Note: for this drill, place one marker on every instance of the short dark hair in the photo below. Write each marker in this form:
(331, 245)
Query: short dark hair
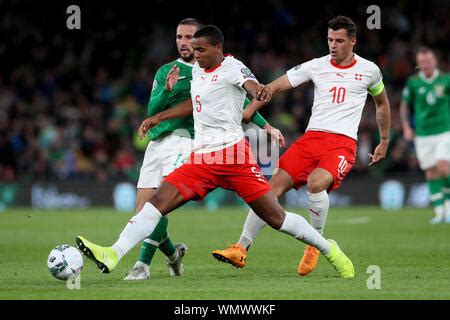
(342, 22)
(191, 22)
(211, 32)
(425, 49)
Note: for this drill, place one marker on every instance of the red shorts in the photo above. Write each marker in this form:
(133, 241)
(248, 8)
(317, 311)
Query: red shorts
(333, 152)
(233, 168)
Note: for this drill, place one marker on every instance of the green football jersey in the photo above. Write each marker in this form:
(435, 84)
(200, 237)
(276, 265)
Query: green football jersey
(430, 99)
(160, 99)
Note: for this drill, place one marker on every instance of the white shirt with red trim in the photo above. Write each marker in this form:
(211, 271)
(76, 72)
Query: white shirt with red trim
(340, 92)
(218, 99)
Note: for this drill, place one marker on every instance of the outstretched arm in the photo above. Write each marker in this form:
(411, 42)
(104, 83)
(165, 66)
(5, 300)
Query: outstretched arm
(280, 84)
(183, 109)
(383, 118)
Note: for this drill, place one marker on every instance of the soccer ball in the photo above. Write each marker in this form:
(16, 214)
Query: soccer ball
(64, 261)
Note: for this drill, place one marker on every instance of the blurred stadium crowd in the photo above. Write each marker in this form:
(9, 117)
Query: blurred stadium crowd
(71, 100)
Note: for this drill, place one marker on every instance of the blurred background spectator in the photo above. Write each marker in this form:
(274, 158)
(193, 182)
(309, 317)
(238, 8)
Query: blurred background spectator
(71, 100)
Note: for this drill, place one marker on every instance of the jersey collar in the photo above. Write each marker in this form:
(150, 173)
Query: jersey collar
(184, 62)
(431, 79)
(343, 67)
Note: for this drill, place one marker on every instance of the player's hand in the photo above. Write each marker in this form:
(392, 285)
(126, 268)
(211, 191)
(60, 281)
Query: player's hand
(408, 134)
(172, 77)
(263, 93)
(146, 125)
(275, 133)
(379, 153)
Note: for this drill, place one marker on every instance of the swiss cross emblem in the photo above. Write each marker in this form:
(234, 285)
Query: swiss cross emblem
(214, 78)
(358, 76)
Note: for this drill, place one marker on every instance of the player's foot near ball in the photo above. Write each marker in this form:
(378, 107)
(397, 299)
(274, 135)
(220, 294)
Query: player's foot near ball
(140, 271)
(340, 261)
(176, 268)
(235, 254)
(309, 260)
(437, 220)
(104, 257)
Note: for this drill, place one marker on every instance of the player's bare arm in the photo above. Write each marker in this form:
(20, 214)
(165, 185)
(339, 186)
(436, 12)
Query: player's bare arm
(183, 109)
(280, 84)
(276, 134)
(408, 132)
(383, 118)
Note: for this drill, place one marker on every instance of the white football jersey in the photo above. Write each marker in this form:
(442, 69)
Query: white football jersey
(218, 99)
(339, 92)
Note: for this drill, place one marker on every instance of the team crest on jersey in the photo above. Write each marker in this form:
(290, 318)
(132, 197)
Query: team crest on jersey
(439, 89)
(247, 73)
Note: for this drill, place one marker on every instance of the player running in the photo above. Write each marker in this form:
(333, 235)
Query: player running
(170, 145)
(221, 158)
(428, 92)
(323, 156)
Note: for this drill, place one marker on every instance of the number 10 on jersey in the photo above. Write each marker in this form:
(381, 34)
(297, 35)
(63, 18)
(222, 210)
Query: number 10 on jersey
(338, 94)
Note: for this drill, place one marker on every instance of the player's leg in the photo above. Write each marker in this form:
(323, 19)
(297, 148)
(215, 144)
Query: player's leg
(445, 172)
(280, 183)
(166, 199)
(236, 254)
(436, 185)
(443, 167)
(336, 160)
(268, 209)
(292, 170)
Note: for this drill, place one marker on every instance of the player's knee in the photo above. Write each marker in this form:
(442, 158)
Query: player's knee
(316, 186)
(443, 167)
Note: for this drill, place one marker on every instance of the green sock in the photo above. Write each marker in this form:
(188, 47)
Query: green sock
(167, 247)
(436, 196)
(150, 244)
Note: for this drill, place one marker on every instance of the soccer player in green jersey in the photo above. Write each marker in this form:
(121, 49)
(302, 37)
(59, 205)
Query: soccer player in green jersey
(170, 145)
(428, 93)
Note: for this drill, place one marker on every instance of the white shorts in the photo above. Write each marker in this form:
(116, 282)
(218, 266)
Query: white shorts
(161, 158)
(431, 149)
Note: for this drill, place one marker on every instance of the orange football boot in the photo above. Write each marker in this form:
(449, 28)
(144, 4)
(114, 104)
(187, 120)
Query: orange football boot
(235, 254)
(309, 260)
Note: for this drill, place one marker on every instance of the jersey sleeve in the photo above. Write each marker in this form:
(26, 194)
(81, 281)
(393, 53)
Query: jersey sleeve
(240, 74)
(159, 94)
(376, 85)
(301, 73)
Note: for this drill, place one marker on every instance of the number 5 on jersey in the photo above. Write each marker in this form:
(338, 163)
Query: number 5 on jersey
(198, 107)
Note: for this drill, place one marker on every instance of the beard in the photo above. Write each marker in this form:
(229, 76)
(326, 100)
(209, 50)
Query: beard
(187, 57)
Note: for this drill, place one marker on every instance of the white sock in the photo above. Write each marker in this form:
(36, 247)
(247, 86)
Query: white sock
(296, 226)
(252, 226)
(318, 209)
(439, 212)
(137, 229)
(447, 208)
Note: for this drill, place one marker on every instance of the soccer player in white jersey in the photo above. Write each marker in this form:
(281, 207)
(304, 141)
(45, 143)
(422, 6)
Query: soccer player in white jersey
(221, 158)
(323, 156)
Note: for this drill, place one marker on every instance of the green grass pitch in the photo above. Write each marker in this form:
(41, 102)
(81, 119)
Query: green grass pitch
(413, 256)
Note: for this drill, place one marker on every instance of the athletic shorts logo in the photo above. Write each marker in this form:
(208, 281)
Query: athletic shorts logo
(342, 166)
